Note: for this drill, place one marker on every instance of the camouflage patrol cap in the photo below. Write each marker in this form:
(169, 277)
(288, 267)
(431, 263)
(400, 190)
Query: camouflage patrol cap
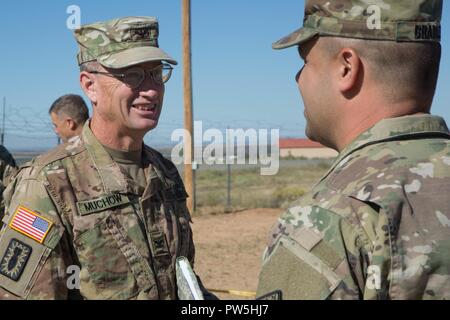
(395, 20)
(121, 43)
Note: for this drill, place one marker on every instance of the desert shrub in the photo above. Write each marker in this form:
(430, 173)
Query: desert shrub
(284, 196)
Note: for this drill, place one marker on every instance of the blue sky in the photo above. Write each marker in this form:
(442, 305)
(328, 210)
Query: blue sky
(239, 81)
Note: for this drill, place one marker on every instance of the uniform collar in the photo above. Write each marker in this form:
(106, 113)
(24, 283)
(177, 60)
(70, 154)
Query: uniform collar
(395, 129)
(112, 178)
(73, 139)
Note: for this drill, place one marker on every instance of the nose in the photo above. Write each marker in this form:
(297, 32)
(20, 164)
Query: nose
(149, 88)
(151, 93)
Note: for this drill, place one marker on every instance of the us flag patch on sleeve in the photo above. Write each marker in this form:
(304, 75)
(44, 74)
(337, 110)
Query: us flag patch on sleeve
(30, 224)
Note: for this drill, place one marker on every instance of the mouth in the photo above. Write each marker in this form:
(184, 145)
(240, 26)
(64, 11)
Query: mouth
(146, 107)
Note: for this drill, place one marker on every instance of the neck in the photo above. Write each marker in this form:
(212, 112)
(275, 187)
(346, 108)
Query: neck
(355, 126)
(109, 135)
(77, 132)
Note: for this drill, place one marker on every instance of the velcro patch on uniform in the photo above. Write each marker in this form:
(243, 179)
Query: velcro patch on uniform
(15, 259)
(159, 244)
(275, 295)
(307, 238)
(298, 273)
(30, 224)
(103, 203)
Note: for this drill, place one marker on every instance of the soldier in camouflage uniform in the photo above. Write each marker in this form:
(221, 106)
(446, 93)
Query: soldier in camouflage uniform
(103, 216)
(8, 168)
(377, 225)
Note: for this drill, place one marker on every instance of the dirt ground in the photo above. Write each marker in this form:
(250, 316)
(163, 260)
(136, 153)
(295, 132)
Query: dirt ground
(229, 248)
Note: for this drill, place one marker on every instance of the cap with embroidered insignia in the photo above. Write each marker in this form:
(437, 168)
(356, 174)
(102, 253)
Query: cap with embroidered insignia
(121, 43)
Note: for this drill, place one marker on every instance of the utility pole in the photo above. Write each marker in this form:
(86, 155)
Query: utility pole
(228, 207)
(188, 101)
(3, 122)
(229, 157)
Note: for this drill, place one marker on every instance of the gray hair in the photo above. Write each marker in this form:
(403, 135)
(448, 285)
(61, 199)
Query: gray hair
(73, 106)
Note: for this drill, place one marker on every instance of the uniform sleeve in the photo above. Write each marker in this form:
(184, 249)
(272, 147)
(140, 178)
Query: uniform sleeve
(7, 171)
(314, 254)
(8, 168)
(8, 174)
(34, 251)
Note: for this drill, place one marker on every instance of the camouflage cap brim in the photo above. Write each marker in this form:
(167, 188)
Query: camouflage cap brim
(298, 37)
(134, 56)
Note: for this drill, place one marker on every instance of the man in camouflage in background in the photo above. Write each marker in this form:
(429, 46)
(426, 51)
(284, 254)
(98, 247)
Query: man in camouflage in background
(68, 113)
(104, 204)
(377, 225)
(8, 168)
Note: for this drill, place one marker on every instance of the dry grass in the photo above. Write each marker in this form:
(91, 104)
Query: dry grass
(249, 189)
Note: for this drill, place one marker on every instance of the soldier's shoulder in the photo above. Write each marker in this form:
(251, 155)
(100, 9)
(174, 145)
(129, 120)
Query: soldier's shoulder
(54, 157)
(4, 152)
(369, 174)
(5, 156)
(60, 152)
(391, 167)
(373, 178)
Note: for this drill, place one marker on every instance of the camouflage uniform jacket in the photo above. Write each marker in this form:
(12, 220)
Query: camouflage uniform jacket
(377, 226)
(8, 168)
(91, 218)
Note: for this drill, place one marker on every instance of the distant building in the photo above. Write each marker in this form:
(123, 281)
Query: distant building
(305, 148)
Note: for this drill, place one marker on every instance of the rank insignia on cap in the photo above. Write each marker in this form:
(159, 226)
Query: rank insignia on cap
(15, 259)
(140, 34)
(30, 224)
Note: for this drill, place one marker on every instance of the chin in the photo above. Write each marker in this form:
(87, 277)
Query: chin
(310, 134)
(146, 126)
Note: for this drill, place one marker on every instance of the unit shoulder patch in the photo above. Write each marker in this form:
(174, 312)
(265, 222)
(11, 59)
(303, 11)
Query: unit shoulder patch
(15, 259)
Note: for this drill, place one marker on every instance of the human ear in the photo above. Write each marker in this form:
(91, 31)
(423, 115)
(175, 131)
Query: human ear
(349, 69)
(87, 82)
(72, 124)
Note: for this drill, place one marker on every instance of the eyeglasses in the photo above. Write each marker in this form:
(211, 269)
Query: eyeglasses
(135, 76)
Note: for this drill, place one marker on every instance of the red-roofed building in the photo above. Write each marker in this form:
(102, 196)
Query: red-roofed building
(305, 148)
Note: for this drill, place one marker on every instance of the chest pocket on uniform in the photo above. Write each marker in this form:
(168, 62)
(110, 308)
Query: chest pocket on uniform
(112, 266)
(177, 218)
(169, 230)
